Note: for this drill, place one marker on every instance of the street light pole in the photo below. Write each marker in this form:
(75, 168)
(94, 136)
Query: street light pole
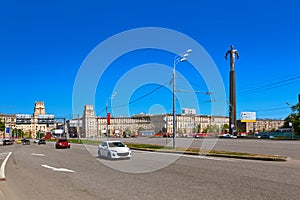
(292, 121)
(178, 58)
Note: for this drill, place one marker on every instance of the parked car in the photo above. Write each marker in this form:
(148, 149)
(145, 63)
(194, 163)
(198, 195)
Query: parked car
(19, 141)
(36, 141)
(42, 141)
(114, 150)
(227, 135)
(62, 143)
(7, 142)
(26, 142)
(264, 136)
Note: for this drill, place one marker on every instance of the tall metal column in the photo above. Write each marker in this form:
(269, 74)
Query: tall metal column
(232, 104)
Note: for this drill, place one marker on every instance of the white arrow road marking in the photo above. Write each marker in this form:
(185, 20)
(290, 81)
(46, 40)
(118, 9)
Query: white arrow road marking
(2, 169)
(58, 169)
(37, 154)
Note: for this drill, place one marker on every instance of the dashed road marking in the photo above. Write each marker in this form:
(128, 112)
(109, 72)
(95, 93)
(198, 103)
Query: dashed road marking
(37, 154)
(57, 169)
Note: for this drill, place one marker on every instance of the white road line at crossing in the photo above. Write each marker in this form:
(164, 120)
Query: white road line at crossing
(37, 154)
(58, 169)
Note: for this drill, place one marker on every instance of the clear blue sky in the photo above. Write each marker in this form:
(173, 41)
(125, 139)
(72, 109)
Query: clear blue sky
(44, 43)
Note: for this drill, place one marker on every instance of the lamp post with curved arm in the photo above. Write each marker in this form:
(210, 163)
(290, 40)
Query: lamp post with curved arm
(177, 59)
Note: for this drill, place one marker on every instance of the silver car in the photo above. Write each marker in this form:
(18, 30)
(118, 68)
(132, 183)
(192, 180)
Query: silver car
(114, 150)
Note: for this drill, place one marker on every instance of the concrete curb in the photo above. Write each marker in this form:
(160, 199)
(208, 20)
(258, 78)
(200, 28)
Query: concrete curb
(248, 157)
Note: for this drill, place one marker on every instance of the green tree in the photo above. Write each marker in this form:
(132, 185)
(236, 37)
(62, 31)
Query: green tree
(2, 125)
(198, 128)
(294, 117)
(19, 133)
(225, 128)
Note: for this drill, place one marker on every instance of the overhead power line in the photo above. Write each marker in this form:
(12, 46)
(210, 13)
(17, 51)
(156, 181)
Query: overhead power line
(269, 86)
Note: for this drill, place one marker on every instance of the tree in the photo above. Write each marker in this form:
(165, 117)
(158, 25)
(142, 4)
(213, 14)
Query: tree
(18, 132)
(2, 125)
(225, 128)
(294, 118)
(198, 128)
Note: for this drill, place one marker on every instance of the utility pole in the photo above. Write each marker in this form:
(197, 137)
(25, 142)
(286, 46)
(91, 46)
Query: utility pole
(233, 53)
(78, 128)
(107, 121)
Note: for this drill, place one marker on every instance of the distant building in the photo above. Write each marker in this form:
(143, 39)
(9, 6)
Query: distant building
(260, 125)
(39, 109)
(188, 111)
(89, 122)
(187, 124)
(74, 127)
(38, 122)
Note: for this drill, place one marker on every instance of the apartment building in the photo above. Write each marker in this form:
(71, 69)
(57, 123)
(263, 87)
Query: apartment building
(39, 121)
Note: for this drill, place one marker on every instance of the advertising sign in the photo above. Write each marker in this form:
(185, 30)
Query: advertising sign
(23, 116)
(46, 119)
(23, 119)
(248, 116)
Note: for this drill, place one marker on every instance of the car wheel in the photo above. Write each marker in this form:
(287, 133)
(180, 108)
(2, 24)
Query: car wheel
(109, 156)
(99, 154)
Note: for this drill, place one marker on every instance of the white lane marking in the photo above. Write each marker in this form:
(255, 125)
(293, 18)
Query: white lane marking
(188, 156)
(58, 169)
(2, 169)
(37, 154)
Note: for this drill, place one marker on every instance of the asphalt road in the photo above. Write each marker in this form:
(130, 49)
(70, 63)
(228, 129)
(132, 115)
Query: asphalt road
(43, 172)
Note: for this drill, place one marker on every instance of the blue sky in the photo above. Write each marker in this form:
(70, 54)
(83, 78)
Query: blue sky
(44, 43)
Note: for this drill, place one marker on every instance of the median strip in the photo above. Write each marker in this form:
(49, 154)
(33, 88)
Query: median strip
(215, 153)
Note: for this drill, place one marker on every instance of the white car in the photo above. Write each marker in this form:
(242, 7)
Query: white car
(227, 135)
(114, 150)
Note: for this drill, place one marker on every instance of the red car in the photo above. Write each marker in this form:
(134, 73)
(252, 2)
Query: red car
(62, 143)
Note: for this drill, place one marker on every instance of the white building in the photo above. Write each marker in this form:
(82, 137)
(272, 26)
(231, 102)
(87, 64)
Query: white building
(188, 111)
(89, 122)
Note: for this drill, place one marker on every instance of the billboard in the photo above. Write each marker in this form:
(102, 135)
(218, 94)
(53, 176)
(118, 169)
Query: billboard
(45, 119)
(248, 116)
(23, 119)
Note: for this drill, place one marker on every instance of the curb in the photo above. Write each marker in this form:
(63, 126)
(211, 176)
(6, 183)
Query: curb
(254, 157)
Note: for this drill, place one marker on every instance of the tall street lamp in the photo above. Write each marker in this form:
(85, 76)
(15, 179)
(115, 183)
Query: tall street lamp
(291, 123)
(177, 59)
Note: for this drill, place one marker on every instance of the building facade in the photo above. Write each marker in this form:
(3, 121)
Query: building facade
(31, 125)
(89, 122)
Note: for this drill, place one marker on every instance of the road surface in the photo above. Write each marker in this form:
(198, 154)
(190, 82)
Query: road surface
(43, 172)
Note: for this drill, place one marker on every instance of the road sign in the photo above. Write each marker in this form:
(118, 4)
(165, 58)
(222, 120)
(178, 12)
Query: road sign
(7, 130)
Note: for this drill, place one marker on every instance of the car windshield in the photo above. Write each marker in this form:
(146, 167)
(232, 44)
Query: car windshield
(116, 144)
(63, 140)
